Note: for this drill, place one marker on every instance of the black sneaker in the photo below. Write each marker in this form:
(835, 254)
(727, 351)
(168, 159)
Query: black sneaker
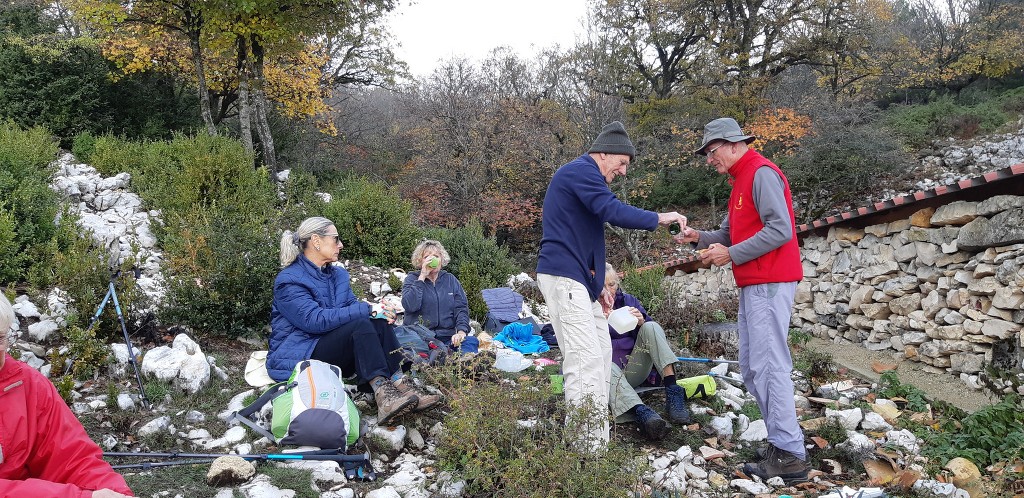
(779, 463)
(651, 424)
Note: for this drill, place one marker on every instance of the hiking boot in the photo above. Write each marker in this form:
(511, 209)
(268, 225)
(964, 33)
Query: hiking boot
(391, 403)
(779, 463)
(764, 451)
(651, 424)
(675, 404)
(426, 400)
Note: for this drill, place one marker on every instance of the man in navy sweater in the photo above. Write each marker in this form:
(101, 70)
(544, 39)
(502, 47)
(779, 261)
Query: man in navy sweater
(570, 269)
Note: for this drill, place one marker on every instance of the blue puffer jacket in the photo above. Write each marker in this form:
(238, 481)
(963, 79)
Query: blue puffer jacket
(308, 303)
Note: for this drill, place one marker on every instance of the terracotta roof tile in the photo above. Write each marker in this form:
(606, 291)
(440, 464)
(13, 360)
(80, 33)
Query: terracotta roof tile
(962, 188)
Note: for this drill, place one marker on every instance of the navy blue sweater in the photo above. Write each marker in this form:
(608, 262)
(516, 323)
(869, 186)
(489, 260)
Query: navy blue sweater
(441, 306)
(577, 205)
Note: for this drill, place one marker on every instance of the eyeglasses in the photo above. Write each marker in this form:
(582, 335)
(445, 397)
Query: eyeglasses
(335, 236)
(712, 151)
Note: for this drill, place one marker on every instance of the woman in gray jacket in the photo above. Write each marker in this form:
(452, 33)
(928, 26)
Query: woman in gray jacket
(434, 298)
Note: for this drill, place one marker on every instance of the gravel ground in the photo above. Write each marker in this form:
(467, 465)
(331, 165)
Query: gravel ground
(945, 387)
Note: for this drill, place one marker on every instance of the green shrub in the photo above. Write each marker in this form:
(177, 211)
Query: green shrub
(27, 205)
(921, 124)
(83, 146)
(647, 286)
(225, 262)
(993, 434)
(471, 282)
(84, 354)
(889, 386)
(816, 365)
(395, 283)
(220, 226)
(374, 222)
(64, 83)
(832, 430)
(483, 444)
(300, 200)
(469, 244)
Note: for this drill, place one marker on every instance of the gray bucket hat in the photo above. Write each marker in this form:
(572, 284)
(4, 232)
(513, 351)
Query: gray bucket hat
(723, 129)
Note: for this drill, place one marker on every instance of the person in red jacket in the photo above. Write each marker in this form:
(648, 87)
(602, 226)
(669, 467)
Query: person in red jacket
(44, 450)
(758, 237)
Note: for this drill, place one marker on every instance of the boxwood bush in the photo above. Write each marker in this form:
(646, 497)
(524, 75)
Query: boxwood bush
(220, 226)
(27, 205)
(374, 223)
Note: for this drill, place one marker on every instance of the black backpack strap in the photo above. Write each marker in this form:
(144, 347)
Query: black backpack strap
(245, 414)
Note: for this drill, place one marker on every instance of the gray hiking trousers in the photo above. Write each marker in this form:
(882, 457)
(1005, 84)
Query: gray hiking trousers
(765, 362)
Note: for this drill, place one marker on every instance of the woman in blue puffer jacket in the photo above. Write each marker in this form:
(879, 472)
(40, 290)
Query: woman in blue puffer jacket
(316, 315)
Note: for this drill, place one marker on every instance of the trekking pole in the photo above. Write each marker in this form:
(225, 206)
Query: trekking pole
(112, 293)
(706, 360)
(726, 378)
(150, 465)
(322, 455)
(357, 467)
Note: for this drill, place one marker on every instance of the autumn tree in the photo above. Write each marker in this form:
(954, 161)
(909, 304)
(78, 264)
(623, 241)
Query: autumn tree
(954, 44)
(662, 43)
(485, 146)
(286, 52)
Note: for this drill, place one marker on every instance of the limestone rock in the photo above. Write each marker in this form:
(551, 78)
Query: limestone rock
(922, 218)
(999, 203)
(229, 471)
(1003, 229)
(955, 213)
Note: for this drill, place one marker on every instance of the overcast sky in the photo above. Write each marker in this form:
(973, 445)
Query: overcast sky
(433, 30)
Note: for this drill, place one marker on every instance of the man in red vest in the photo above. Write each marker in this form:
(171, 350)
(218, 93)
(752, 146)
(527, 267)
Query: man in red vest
(759, 238)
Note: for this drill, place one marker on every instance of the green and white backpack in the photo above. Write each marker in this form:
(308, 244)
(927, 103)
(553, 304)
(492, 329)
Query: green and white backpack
(311, 408)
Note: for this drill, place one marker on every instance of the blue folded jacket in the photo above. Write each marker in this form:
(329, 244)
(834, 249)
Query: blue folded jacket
(519, 336)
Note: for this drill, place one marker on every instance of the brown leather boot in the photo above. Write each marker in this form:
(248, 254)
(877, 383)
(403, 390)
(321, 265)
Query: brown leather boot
(426, 400)
(390, 402)
(779, 463)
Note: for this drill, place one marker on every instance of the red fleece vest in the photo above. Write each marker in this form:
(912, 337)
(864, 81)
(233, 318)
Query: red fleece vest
(778, 265)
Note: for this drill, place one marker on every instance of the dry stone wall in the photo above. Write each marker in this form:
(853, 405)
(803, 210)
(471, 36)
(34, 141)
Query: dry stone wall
(944, 287)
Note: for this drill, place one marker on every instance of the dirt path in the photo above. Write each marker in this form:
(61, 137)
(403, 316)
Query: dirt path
(943, 387)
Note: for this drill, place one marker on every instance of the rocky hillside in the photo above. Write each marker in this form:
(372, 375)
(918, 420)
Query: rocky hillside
(857, 432)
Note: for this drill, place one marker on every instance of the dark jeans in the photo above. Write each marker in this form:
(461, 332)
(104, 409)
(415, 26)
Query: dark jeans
(365, 348)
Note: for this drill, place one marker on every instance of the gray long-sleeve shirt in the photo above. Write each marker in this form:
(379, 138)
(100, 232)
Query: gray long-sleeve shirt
(770, 202)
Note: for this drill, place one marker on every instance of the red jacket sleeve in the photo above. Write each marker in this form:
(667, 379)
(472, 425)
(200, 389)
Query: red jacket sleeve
(39, 487)
(63, 452)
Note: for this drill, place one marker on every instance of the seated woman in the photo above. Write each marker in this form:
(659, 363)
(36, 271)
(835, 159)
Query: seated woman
(634, 353)
(435, 299)
(45, 450)
(316, 315)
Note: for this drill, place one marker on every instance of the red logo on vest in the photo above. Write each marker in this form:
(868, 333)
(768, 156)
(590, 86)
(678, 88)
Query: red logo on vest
(739, 202)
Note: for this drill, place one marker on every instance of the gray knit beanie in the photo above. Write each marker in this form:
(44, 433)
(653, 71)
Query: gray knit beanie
(613, 140)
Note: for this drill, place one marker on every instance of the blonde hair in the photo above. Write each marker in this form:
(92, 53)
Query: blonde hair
(293, 243)
(417, 254)
(610, 276)
(6, 316)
